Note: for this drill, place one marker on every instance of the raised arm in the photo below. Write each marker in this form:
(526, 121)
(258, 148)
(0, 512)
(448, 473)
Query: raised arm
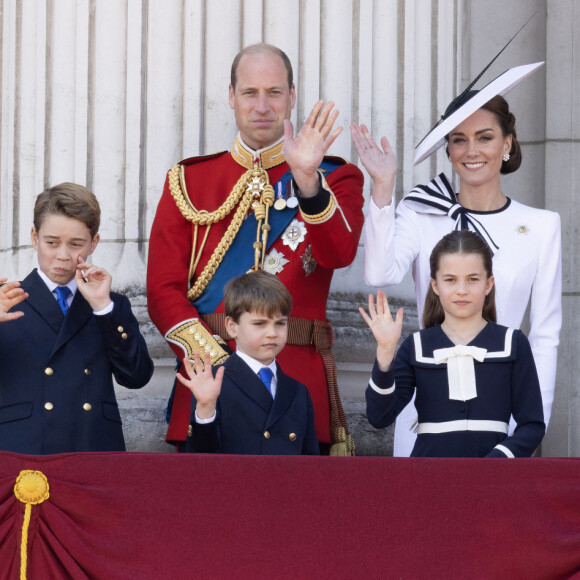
(10, 296)
(380, 163)
(386, 331)
(202, 384)
(305, 151)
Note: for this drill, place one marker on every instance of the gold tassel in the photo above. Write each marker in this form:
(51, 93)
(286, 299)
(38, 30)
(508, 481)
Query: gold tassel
(31, 488)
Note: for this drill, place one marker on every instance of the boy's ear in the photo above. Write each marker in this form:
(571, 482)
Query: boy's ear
(34, 238)
(434, 286)
(231, 326)
(94, 243)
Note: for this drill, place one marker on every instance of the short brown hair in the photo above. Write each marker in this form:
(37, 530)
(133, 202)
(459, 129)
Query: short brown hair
(458, 242)
(256, 292)
(259, 48)
(70, 200)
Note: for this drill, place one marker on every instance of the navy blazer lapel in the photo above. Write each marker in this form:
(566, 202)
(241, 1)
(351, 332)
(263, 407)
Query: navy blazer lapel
(285, 393)
(77, 316)
(248, 382)
(42, 300)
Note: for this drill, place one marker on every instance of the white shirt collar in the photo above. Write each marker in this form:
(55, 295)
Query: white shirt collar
(254, 364)
(72, 285)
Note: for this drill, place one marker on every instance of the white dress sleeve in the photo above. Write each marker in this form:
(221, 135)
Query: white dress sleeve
(546, 310)
(391, 245)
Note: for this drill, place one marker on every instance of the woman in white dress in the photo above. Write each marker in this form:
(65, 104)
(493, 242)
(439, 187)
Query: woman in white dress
(479, 131)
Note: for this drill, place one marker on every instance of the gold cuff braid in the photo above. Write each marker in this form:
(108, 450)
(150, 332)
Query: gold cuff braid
(327, 213)
(192, 336)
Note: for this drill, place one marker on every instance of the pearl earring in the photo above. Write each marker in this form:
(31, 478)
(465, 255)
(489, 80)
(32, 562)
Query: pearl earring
(506, 157)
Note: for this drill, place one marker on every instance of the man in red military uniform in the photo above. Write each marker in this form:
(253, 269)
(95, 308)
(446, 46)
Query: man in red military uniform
(273, 202)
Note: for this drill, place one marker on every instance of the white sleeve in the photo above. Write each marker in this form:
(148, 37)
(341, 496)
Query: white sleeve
(546, 311)
(391, 245)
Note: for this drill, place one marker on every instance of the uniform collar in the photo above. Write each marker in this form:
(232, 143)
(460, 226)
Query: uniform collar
(267, 157)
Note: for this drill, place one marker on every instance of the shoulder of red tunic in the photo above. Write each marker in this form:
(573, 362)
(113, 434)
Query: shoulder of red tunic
(201, 158)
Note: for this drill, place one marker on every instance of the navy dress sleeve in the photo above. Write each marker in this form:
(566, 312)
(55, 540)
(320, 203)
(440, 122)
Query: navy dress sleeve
(385, 399)
(526, 404)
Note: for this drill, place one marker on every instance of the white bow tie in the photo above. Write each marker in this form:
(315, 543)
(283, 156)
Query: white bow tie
(460, 370)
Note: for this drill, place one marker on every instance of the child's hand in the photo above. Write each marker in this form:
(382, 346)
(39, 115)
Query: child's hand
(10, 295)
(386, 331)
(202, 384)
(94, 284)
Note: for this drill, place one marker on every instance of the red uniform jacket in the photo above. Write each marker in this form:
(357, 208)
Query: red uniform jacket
(333, 244)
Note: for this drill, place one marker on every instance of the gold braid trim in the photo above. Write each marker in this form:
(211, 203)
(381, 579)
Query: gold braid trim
(201, 217)
(254, 183)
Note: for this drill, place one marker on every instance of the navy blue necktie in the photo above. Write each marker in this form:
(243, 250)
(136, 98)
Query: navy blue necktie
(62, 293)
(266, 375)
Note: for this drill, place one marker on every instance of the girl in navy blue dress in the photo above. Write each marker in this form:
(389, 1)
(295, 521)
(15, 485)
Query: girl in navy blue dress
(470, 373)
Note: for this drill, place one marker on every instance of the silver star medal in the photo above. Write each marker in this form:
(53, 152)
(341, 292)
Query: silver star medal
(294, 234)
(274, 262)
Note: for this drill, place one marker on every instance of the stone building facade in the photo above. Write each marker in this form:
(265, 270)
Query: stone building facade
(112, 94)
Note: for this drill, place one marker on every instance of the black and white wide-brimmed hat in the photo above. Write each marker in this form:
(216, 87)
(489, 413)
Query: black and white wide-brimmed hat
(467, 103)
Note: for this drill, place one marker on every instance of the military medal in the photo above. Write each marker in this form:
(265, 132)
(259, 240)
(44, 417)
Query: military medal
(292, 200)
(280, 202)
(294, 234)
(275, 262)
(308, 262)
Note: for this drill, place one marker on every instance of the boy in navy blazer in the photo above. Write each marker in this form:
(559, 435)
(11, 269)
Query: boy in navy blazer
(67, 338)
(251, 406)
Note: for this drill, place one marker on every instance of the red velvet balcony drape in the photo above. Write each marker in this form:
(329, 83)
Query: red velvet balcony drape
(141, 516)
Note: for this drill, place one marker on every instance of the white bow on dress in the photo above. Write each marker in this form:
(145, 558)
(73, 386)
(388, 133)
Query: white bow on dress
(460, 369)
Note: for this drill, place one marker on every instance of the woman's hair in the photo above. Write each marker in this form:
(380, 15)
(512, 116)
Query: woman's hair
(507, 121)
(458, 242)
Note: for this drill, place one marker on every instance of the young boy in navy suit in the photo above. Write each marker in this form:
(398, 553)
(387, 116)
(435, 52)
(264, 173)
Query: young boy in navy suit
(251, 406)
(67, 338)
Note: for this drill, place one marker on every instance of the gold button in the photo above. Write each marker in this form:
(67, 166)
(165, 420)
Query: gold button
(292, 436)
(267, 434)
(120, 328)
(87, 372)
(189, 431)
(48, 371)
(124, 336)
(87, 406)
(202, 341)
(48, 406)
